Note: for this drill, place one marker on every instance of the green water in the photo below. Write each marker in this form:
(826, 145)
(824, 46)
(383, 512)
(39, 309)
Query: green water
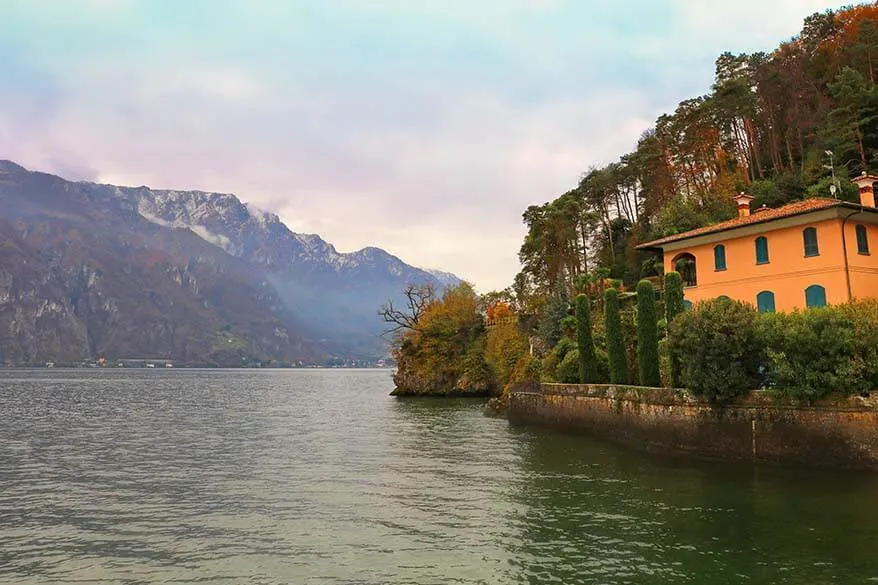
(319, 477)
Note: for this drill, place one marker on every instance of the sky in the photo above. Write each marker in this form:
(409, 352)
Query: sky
(424, 127)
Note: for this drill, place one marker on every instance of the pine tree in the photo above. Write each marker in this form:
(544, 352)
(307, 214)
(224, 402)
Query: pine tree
(647, 336)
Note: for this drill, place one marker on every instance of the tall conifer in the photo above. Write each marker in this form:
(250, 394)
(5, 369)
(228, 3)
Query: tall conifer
(647, 336)
(587, 362)
(673, 307)
(615, 341)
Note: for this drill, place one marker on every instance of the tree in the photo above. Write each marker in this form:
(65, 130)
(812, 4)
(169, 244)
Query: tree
(506, 344)
(588, 373)
(647, 336)
(615, 340)
(444, 352)
(673, 307)
(417, 298)
(854, 113)
(549, 326)
(764, 127)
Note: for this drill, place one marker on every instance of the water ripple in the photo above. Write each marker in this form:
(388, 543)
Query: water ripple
(319, 477)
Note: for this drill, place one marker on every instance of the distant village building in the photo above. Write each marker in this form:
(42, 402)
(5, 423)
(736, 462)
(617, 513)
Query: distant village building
(805, 254)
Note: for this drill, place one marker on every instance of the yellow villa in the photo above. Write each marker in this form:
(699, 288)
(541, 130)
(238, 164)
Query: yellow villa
(805, 254)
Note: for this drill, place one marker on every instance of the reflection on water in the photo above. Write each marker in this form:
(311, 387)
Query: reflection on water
(599, 514)
(320, 477)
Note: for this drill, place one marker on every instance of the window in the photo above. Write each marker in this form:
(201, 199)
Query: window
(810, 237)
(685, 264)
(724, 298)
(719, 257)
(815, 296)
(761, 250)
(765, 301)
(862, 240)
(687, 304)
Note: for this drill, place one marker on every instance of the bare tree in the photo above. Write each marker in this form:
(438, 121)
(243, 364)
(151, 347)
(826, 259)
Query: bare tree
(417, 298)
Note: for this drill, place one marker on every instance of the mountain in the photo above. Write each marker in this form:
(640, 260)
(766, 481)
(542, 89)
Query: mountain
(91, 270)
(444, 278)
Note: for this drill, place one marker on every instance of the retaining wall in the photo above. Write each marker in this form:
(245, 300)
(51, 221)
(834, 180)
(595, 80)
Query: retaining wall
(843, 434)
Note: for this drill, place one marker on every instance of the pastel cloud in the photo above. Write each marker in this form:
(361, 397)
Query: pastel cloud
(425, 127)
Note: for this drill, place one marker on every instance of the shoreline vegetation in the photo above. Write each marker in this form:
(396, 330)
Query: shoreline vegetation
(588, 307)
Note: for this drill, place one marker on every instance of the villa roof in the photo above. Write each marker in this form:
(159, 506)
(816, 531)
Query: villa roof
(758, 216)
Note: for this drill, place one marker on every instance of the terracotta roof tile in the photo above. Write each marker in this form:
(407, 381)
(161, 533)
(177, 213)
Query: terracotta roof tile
(756, 216)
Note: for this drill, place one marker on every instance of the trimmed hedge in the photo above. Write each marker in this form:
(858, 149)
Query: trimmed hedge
(726, 349)
(647, 336)
(814, 353)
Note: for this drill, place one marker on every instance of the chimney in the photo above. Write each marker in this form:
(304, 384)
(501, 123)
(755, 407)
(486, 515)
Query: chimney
(867, 191)
(743, 203)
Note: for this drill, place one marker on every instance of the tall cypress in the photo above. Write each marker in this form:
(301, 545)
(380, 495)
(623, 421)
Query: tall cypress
(647, 336)
(673, 307)
(587, 362)
(615, 341)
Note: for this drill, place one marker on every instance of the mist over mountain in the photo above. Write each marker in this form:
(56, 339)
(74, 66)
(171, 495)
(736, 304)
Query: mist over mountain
(89, 270)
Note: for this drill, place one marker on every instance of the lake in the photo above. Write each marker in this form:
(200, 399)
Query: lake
(318, 476)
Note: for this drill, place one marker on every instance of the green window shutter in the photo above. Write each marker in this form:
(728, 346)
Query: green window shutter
(862, 240)
(815, 296)
(687, 304)
(761, 250)
(765, 301)
(809, 235)
(719, 257)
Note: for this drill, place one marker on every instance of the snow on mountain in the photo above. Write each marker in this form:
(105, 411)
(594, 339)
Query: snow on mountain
(245, 231)
(446, 279)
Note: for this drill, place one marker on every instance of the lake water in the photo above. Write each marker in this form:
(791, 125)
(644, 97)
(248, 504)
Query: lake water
(317, 476)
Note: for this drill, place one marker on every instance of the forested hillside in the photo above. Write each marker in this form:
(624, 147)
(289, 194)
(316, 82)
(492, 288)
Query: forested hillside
(780, 126)
(775, 125)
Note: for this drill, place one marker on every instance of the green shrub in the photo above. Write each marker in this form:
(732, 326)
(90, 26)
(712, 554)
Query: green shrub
(584, 343)
(528, 369)
(549, 365)
(618, 364)
(814, 353)
(673, 307)
(647, 335)
(864, 313)
(555, 357)
(477, 376)
(567, 371)
(718, 349)
(602, 365)
(665, 365)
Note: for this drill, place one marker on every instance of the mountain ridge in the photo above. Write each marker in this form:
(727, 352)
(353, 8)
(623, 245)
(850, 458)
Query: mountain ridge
(321, 301)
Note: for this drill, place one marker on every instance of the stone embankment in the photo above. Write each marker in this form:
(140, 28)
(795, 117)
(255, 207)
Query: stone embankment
(841, 434)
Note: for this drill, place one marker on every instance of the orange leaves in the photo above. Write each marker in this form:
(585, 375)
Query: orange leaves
(499, 311)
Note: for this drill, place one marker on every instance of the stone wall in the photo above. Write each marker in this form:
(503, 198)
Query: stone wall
(843, 434)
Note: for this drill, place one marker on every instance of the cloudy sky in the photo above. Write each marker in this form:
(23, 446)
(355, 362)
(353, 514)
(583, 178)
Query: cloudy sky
(425, 127)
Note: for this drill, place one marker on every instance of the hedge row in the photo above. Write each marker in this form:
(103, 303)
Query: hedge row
(725, 349)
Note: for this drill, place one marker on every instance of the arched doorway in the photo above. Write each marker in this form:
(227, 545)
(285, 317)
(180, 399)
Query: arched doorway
(685, 264)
